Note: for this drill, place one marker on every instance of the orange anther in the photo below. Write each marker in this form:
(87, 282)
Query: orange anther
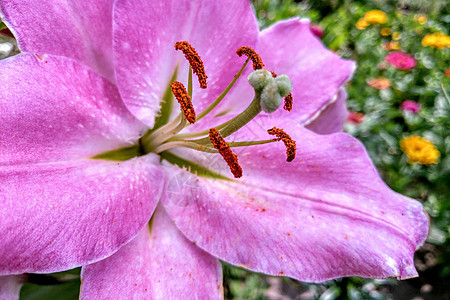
(184, 100)
(288, 102)
(225, 150)
(256, 59)
(291, 147)
(194, 60)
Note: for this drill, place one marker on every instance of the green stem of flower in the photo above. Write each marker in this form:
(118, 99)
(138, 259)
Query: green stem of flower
(223, 94)
(184, 144)
(190, 82)
(238, 121)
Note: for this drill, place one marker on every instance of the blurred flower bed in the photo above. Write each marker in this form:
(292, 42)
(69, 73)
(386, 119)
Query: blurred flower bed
(399, 106)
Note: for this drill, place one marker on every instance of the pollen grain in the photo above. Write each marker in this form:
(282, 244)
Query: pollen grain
(184, 100)
(290, 144)
(225, 150)
(256, 59)
(194, 60)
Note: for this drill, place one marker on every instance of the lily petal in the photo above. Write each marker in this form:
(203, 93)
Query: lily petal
(62, 215)
(54, 109)
(331, 119)
(325, 215)
(10, 286)
(289, 47)
(303, 57)
(160, 263)
(145, 57)
(80, 30)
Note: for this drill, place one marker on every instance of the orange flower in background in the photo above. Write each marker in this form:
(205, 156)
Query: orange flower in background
(419, 150)
(355, 117)
(371, 17)
(385, 31)
(380, 83)
(436, 40)
(375, 16)
(447, 73)
(362, 24)
(394, 45)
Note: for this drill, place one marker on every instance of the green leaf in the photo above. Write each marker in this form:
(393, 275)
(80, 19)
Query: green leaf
(64, 291)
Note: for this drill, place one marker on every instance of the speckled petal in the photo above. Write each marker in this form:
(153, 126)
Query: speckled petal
(77, 29)
(58, 216)
(160, 263)
(53, 109)
(331, 119)
(10, 286)
(145, 57)
(325, 215)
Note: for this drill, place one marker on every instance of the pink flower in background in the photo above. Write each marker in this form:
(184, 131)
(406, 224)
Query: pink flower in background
(142, 225)
(355, 117)
(317, 30)
(410, 105)
(401, 60)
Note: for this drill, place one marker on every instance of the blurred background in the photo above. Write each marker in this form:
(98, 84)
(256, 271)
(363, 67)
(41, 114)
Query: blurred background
(399, 108)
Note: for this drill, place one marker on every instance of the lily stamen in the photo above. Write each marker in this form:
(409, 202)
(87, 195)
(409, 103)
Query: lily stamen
(225, 150)
(290, 144)
(288, 100)
(256, 59)
(269, 90)
(183, 98)
(195, 61)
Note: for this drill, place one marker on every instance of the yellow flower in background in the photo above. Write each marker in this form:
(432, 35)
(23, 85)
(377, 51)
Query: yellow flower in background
(362, 24)
(385, 31)
(436, 40)
(375, 16)
(396, 36)
(419, 150)
(420, 18)
(388, 46)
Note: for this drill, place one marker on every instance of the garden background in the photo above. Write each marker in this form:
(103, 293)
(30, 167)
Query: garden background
(380, 118)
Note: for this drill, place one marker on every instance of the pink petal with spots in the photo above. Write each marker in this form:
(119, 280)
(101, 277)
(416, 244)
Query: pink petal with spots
(325, 215)
(10, 286)
(55, 109)
(146, 59)
(331, 119)
(58, 216)
(77, 29)
(160, 263)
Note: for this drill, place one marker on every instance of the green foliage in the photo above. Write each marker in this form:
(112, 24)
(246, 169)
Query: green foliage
(56, 286)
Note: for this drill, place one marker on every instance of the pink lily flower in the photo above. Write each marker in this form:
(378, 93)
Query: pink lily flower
(91, 80)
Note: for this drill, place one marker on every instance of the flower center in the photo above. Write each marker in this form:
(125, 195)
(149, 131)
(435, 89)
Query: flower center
(269, 91)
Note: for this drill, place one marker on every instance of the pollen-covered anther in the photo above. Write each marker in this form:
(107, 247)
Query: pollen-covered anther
(184, 100)
(290, 144)
(256, 59)
(194, 60)
(225, 150)
(288, 102)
